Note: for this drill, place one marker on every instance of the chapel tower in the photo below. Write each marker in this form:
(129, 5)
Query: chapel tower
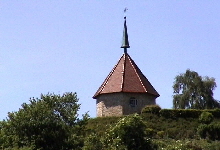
(125, 90)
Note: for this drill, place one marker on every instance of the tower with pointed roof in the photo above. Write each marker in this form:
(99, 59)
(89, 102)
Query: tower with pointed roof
(125, 90)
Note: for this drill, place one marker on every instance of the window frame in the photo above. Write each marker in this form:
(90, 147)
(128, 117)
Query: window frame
(133, 102)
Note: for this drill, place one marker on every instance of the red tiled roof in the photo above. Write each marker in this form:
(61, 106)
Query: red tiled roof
(126, 77)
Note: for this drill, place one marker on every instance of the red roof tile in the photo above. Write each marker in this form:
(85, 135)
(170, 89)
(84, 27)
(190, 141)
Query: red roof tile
(126, 77)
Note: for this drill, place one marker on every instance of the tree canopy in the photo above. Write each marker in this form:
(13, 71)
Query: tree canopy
(49, 122)
(191, 91)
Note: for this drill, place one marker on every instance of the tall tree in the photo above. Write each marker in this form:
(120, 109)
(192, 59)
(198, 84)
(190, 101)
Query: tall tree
(191, 91)
(50, 122)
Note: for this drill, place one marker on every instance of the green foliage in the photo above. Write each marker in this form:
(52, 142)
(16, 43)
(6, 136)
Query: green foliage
(50, 122)
(46, 118)
(213, 145)
(150, 132)
(160, 134)
(177, 132)
(214, 112)
(129, 134)
(175, 124)
(178, 145)
(180, 113)
(93, 142)
(210, 131)
(99, 125)
(154, 109)
(175, 128)
(206, 117)
(192, 91)
(187, 113)
(187, 144)
(22, 148)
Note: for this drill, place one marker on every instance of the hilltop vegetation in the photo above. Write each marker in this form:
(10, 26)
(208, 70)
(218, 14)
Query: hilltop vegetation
(169, 131)
(51, 122)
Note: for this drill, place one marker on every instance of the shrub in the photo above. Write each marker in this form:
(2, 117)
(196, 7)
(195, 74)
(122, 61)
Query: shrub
(215, 112)
(160, 134)
(180, 113)
(201, 130)
(187, 144)
(173, 133)
(212, 146)
(187, 113)
(211, 131)
(206, 117)
(153, 109)
(128, 133)
(150, 132)
(92, 142)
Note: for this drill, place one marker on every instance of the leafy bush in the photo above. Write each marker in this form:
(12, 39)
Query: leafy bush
(215, 145)
(150, 132)
(92, 142)
(211, 131)
(202, 130)
(128, 133)
(160, 134)
(206, 117)
(99, 125)
(214, 112)
(153, 109)
(187, 144)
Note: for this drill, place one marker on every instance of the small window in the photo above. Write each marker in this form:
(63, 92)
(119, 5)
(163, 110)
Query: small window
(133, 102)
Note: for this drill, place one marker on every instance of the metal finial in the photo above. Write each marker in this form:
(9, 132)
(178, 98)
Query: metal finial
(125, 10)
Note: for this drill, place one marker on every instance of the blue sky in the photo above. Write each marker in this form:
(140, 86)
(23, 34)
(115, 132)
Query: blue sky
(71, 46)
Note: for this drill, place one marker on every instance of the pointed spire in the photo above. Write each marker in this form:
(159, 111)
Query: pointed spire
(125, 43)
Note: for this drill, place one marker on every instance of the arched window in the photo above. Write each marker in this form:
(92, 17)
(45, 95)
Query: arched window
(133, 102)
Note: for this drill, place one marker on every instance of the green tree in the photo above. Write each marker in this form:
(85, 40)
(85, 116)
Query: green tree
(48, 123)
(191, 91)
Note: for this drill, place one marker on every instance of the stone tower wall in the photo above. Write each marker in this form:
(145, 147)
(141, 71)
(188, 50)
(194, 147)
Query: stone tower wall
(117, 104)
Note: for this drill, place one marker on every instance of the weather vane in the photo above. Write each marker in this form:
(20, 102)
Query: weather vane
(125, 10)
